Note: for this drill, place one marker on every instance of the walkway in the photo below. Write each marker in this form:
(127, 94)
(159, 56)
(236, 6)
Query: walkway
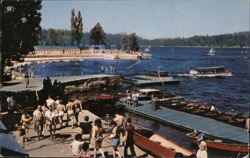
(59, 147)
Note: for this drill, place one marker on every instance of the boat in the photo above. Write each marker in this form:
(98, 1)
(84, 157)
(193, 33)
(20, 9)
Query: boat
(154, 77)
(146, 94)
(147, 49)
(216, 71)
(157, 145)
(211, 51)
(219, 144)
(157, 73)
(108, 97)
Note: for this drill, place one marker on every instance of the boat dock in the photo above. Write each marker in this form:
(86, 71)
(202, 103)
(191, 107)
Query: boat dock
(189, 122)
(36, 84)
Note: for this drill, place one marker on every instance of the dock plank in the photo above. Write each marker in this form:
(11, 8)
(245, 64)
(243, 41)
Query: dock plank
(191, 121)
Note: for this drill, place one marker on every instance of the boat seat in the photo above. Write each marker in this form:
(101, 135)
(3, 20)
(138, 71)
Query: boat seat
(168, 144)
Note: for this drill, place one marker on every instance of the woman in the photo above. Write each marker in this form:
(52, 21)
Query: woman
(25, 122)
(115, 139)
(98, 136)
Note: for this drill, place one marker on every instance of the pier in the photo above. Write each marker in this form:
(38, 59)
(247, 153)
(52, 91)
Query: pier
(190, 122)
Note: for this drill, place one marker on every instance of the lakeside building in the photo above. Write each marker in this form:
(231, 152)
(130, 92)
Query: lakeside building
(55, 50)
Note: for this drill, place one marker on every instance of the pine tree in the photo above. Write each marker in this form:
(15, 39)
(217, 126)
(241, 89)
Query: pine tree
(134, 46)
(76, 28)
(97, 35)
(20, 28)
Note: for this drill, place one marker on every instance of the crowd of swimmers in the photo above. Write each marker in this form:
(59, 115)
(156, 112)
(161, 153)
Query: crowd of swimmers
(46, 118)
(108, 69)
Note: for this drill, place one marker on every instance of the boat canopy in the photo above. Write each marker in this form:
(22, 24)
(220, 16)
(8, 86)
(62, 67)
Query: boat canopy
(157, 73)
(215, 69)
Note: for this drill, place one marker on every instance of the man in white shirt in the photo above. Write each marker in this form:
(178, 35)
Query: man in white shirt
(75, 145)
(50, 102)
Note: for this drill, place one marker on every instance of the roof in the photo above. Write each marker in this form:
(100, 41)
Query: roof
(212, 67)
(149, 90)
(56, 48)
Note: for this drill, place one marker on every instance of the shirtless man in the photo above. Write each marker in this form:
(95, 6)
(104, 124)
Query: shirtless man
(78, 108)
(60, 108)
(70, 112)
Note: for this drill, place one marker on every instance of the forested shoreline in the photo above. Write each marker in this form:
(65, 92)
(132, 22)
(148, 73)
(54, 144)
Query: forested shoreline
(63, 37)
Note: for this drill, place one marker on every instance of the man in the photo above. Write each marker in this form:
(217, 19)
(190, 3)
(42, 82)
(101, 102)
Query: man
(75, 145)
(38, 121)
(60, 109)
(70, 112)
(202, 152)
(86, 127)
(26, 76)
(129, 140)
(50, 102)
(50, 121)
(77, 108)
(247, 126)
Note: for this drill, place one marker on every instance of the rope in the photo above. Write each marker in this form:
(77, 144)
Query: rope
(129, 67)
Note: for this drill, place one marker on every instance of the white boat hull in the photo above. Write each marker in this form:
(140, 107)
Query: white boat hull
(226, 74)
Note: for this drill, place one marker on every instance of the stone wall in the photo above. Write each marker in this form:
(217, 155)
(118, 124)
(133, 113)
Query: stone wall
(91, 84)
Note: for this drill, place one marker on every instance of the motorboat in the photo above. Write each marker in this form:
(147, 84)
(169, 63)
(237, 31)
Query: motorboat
(220, 144)
(159, 146)
(218, 71)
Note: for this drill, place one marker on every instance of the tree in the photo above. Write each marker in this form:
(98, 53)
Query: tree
(133, 43)
(76, 28)
(97, 35)
(20, 28)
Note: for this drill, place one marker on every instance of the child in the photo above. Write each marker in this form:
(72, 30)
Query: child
(75, 145)
(84, 151)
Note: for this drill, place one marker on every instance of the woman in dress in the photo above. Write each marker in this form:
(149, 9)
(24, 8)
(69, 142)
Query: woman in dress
(98, 136)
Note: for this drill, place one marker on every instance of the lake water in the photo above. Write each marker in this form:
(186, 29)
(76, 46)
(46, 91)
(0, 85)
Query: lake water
(226, 93)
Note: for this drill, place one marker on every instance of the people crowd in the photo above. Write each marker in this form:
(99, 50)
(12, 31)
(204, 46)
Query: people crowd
(53, 115)
(108, 69)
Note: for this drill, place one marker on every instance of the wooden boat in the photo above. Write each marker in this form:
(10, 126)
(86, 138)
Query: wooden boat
(221, 145)
(108, 97)
(212, 114)
(157, 145)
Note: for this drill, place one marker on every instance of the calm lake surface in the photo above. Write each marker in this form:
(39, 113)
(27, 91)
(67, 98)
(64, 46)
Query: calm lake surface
(225, 93)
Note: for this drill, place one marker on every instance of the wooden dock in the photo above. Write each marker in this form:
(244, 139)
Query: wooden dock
(190, 122)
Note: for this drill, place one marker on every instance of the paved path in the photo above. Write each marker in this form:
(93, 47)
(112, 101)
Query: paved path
(190, 121)
(59, 147)
(36, 84)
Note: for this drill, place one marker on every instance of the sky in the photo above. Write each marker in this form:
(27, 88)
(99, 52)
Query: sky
(152, 18)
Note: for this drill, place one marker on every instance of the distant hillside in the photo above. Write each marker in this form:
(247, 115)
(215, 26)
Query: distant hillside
(240, 39)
